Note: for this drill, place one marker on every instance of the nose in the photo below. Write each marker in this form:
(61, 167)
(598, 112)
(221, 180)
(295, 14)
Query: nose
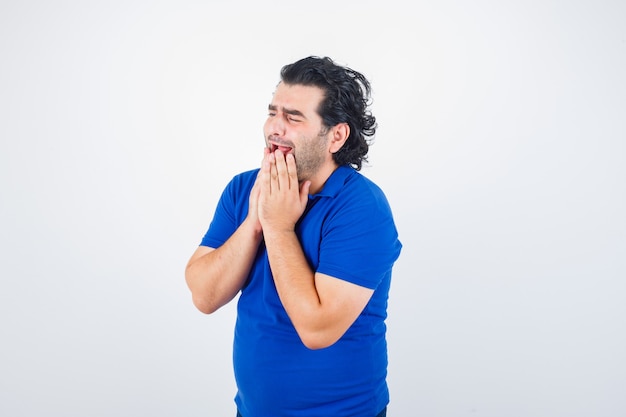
(274, 126)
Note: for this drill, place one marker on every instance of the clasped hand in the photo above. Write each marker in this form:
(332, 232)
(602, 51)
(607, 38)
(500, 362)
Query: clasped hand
(280, 200)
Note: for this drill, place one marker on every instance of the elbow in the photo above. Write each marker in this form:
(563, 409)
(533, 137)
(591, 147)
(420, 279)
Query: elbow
(316, 345)
(204, 306)
(316, 334)
(317, 341)
(201, 301)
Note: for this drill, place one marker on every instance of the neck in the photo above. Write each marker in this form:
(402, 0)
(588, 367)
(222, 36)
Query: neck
(320, 178)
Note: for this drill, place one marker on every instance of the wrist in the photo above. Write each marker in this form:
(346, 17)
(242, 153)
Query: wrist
(254, 227)
(277, 234)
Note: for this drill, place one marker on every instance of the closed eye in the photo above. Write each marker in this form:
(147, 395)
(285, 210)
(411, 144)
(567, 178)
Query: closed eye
(291, 115)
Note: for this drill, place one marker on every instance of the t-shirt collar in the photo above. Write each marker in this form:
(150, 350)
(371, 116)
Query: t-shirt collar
(335, 182)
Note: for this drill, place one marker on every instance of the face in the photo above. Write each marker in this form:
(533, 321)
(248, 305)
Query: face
(293, 126)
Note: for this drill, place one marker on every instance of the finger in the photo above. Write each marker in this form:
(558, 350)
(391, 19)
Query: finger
(266, 152)
(304, 193)
(274, 180)
(292, 170)
(265, 174)
(281, 170)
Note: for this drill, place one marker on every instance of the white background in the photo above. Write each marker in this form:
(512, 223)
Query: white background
(501, 148)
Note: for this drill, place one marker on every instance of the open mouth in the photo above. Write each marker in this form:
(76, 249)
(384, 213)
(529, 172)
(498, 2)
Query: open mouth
(282, 148)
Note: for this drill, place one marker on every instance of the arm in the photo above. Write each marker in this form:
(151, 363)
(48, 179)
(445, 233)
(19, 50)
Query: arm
(215, 276)
(321, 307)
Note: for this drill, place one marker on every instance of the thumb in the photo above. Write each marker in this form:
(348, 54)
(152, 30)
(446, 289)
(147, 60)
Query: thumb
(304, 192)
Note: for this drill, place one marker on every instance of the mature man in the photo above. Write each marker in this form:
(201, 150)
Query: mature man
(309, 244)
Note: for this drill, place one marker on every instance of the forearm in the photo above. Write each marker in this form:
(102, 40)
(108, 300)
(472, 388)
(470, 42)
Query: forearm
(320, 307)
(295, 281)
(215, 277)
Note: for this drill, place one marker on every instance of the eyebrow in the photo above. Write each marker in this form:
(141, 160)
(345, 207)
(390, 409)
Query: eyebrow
(292, 112)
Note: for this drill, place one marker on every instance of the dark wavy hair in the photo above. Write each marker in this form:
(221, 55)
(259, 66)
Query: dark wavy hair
(347, 97)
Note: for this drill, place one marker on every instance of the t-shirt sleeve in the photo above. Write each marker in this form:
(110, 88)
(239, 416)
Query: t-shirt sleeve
(360, 242)
(231, 210)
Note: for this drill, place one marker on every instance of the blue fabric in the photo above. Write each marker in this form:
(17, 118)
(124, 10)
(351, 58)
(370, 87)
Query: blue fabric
(381, 414)
(346, 232)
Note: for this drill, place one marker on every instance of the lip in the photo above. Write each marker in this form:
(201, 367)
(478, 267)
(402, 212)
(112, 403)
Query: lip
(284, 148)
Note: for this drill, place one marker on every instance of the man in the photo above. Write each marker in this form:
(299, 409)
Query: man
(309, 243)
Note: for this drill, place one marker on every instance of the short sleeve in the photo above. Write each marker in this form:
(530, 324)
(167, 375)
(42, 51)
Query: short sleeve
(360, 241)
(231, 210)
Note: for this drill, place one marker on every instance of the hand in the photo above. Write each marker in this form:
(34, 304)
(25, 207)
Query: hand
(253, 201)
(281, 200)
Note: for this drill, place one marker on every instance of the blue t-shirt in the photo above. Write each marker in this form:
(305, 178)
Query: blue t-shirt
(347, 232)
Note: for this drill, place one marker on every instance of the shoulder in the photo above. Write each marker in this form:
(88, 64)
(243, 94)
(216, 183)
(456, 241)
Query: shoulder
(236, 192)
(245, 177)
(361, 190)
(242, 181)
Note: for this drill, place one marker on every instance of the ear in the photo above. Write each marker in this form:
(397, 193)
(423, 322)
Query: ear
(339, 135)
